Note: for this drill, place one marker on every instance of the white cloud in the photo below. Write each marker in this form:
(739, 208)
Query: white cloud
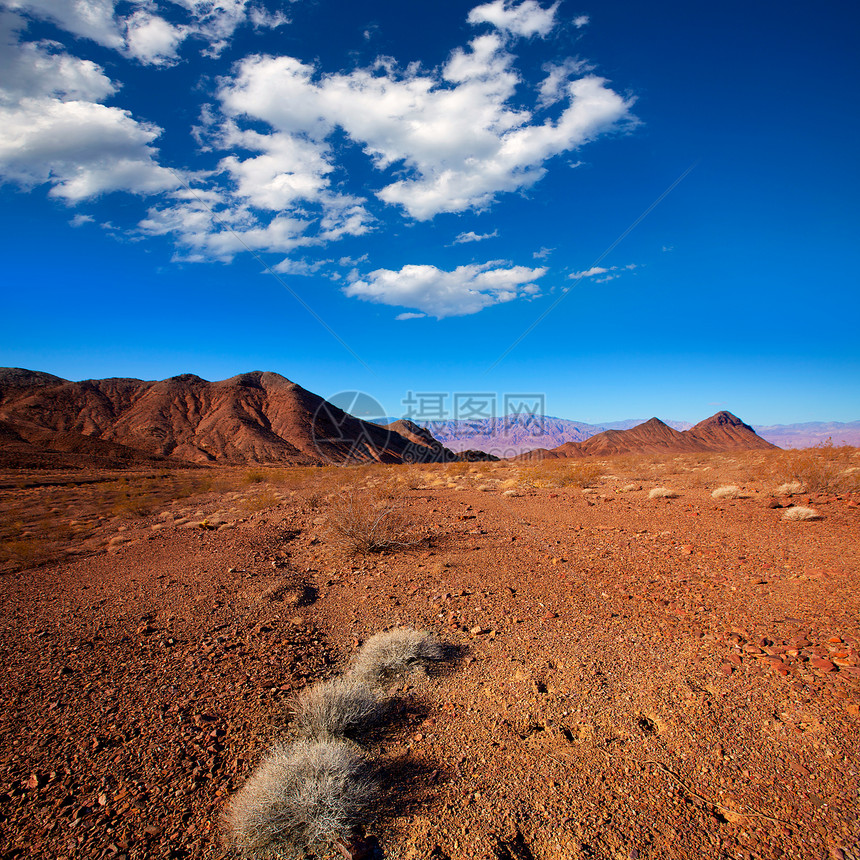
(88, 19)
(526, 18)
(453, 131)
(300, 267)
(410, 316)
(472, 236)
(54, 130)
(152, 40)
(610, 273)
(554, 87)
(80, 220)
(147, 34)
(581, 21)
(433, 291)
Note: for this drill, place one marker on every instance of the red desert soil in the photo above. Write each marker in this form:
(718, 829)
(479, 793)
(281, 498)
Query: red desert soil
(667, 678)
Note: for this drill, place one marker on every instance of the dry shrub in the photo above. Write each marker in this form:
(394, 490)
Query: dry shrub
(824, 468)
(560, 473)
(790, 489)
(629, 488)
(389, 657)
(798, 514)
(363, 521)
(662, 493)
(336, 708)
(730, 491)
(302, 797)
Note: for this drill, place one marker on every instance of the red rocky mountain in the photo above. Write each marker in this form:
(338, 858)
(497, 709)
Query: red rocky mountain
(255, 417)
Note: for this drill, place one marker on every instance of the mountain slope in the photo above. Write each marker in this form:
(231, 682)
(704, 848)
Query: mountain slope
(720, 432)
(255, 417)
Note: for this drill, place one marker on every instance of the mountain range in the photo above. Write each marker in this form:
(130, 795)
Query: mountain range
(255, 417)
(720, 432)
(262, 417)
(515, 434)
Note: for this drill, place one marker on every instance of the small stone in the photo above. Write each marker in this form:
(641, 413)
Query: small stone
(686, 550)
(726, 669)
(822, 665)
(152, 831)
(33, 781)
(477, 630)
(550, 615)
(837, 853)
(772, 503)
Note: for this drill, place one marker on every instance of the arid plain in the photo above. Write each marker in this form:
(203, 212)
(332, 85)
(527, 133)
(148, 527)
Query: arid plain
(641, 675)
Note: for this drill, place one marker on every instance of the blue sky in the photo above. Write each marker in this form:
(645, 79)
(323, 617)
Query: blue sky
(397, 197)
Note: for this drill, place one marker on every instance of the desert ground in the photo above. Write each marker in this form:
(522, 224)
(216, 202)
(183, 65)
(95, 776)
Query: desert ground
(637, 677)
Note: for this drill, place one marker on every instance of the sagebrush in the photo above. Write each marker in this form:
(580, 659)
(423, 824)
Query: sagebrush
(301, 797)
(361, 520)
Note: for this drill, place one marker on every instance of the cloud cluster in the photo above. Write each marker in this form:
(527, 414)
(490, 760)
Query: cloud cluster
(54, 129)
(521, 19)
(448, 139)
(150, 33)
(453, 131)
(435, 292)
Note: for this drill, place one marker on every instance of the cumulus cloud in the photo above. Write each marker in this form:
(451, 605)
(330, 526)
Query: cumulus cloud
(454, 131)
(152, 40)
(148, 33)
(527, 18)
(435, 292)
(472, 236)
(581, 21)
(53, 128)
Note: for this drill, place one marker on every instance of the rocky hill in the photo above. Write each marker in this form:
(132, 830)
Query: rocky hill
(255, 417)
(720, 432)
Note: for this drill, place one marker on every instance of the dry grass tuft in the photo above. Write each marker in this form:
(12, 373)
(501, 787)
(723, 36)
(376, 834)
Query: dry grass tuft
(798, 514)
(302, 796)
(662, 493)
(365, 521)
(630, 488)
(391, 656)
(730, 491)
(790, 489)
(337, 708)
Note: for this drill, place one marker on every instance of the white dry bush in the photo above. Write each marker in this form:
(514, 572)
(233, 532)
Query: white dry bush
(630, 488)
(389, 657)
(798, 513)
(792, 488)
(336, 708)
(301, 797)
(662, 493)
(367, 521)
(730, 491)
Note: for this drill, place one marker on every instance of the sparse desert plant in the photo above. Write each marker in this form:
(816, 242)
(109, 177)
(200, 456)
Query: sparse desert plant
(393, 655)
(336, 708)
(302, 797)
(792, 488)
(581, 475)
(364, 521)
(629, 488)
(662, 493)
(824, 468)
(730, 491)
(798, 513)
